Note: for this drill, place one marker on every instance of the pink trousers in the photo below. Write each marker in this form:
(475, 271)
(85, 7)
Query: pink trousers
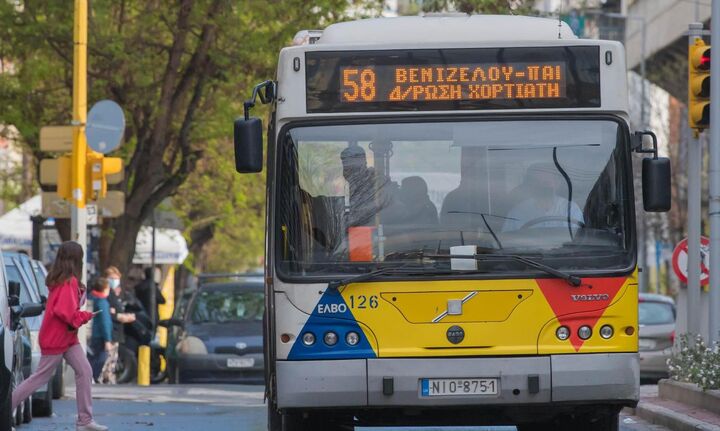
(75, 356)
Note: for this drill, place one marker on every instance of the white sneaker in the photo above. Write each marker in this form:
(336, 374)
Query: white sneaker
(92, 426)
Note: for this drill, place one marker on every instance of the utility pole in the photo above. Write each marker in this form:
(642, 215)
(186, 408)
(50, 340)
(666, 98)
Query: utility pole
(78, 212)
(694, 209)
(714, 174)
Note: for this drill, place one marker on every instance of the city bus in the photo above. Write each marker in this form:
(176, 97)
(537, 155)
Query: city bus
(450, 225)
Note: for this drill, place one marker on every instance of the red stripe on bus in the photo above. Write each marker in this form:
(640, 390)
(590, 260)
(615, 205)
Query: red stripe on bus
(590, 299)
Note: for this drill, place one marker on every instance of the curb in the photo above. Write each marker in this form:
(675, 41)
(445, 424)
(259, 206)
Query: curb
(690, 394)
(670, 419)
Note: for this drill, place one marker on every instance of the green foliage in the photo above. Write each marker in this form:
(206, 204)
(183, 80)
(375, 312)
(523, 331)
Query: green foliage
(478, 6)
(224, 210)
(696, 363)
(180, 70)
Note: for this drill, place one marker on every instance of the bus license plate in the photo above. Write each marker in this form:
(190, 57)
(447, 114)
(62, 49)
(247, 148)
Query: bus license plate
(240, 362)
(455, 387)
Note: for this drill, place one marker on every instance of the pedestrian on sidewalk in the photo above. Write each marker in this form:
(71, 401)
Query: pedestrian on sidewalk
(58, 334)
(101, 339)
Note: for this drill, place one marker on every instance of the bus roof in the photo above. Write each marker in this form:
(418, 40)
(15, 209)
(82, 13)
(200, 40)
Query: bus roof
(444, 29)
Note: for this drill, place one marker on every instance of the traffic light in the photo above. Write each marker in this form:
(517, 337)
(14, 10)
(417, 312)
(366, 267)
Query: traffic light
(99, 168)
(699, 86)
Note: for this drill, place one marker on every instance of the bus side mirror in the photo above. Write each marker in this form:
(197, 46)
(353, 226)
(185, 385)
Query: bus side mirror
(14, 293)
(248, 145)
(656, 184)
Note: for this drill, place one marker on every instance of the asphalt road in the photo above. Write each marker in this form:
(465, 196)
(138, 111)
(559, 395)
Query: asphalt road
(205, 408)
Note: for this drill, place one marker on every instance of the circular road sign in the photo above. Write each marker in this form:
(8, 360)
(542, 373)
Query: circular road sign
(680, 261)
(105, 126)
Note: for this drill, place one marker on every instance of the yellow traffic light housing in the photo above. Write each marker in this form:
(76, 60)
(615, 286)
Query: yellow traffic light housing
(99, 168)
(64, 178)
(699, 86)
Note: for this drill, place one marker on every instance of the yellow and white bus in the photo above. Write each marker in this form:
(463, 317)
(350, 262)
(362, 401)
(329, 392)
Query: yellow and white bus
(450, 225)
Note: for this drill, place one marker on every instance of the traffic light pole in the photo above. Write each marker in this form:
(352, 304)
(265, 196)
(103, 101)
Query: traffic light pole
(78, 159)
(78, 213)
(714, 179)
(693, 214)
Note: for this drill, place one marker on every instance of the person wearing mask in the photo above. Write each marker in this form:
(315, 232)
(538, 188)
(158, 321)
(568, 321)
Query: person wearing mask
(117, 307)
(144, 290)
(58, 336)
(101, 339)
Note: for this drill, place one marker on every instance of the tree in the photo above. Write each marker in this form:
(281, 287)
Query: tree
(478, 6)
(179, 70)
(224, 235)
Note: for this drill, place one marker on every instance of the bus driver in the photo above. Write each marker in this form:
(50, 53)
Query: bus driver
(541, 204)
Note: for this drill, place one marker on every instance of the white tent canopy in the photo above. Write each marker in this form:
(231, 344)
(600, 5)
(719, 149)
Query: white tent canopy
(16, 234)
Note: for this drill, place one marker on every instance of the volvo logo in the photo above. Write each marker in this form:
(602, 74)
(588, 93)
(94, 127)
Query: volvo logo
(593, 297)
(455, 334)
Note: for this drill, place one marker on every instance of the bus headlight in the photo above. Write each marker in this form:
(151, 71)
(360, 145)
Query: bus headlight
(584, 332)
(308, 339)
(352, 338)
(563, 333)
(330, 338)
(606, 331)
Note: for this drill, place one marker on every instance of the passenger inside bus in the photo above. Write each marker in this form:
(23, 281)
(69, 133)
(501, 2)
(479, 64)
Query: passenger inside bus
(464, 206)
(414, 195)
(369, 193)
(540, 202)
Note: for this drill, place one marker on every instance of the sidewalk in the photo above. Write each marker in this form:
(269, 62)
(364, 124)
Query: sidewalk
(218, 395)
(670, 405)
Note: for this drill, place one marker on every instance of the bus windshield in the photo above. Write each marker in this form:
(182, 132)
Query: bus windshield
(357, 197)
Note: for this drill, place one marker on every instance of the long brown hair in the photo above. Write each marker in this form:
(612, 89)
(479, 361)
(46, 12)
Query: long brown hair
(68, 264)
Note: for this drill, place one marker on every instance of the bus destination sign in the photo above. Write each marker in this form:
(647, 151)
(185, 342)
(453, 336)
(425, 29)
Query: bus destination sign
(452, 79)
(456, 82)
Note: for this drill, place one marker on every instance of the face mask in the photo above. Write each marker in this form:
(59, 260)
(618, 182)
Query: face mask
(114, 282)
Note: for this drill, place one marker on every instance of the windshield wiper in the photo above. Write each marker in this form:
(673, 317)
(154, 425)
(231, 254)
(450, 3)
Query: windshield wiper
(336, 284)
(570, 279)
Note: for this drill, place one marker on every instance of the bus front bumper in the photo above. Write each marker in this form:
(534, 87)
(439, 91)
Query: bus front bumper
(578, 378)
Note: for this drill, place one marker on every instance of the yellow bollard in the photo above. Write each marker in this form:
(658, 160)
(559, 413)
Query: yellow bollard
(143, 376)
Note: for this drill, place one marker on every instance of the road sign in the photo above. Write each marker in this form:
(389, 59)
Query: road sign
(92, 214)
(113, 205)
(105, 126)
(56, 138)
(680, 260)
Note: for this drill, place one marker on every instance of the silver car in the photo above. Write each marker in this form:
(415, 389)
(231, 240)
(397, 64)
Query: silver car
(656, 316)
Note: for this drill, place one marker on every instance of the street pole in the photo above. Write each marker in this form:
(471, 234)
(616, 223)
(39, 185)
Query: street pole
(714, 174)
(645, 274)
(78, 214)
(693, 214)
(153, 302)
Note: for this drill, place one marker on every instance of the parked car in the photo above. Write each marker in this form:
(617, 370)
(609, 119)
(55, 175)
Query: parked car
(219, 336)
(13, 312)
(19, 268)
(656, 316)
(58, 382)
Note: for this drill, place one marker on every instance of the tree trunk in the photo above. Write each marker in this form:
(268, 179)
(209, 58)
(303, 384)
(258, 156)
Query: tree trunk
(122, 249)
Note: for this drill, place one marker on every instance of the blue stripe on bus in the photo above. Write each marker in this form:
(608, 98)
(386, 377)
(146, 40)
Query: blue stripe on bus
(331, 314)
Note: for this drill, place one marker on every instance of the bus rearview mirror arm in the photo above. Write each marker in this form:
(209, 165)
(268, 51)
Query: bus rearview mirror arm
(265, 90)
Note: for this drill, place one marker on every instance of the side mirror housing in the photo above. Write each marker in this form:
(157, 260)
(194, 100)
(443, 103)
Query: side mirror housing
(656, 184)
(31, 310)
(248, 145)
(14, 289)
